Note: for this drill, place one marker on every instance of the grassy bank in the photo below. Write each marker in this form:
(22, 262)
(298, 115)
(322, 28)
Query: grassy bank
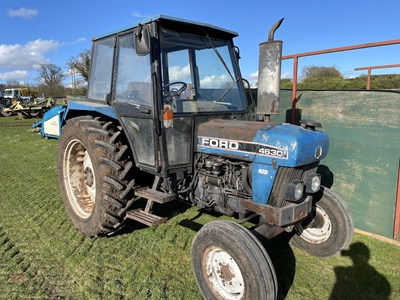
(43, 256)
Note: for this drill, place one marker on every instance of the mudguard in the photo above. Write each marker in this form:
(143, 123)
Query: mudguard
(99, 108)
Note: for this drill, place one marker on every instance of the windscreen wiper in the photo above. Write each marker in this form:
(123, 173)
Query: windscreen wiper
(220, 57)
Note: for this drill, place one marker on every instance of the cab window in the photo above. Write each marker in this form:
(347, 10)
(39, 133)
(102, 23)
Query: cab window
(101, 71)
(133, 80)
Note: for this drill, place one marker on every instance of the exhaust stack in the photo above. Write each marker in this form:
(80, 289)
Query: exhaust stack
(269, 76)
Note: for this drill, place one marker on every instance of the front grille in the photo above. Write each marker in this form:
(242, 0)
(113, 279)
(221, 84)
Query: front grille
(283, 177)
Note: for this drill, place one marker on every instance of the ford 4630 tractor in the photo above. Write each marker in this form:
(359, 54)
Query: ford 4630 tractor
(166, 119)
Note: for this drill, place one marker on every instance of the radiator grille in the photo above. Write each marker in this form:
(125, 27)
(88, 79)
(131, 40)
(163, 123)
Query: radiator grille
(283, 177)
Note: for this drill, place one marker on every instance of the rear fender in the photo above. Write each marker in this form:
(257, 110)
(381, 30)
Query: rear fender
(89, 108)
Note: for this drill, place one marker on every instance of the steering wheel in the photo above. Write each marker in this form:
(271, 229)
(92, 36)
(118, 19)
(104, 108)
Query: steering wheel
(174, 93)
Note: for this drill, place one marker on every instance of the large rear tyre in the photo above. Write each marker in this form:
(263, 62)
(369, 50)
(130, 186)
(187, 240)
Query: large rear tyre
(3, 113)
(95, 175)
(229, 263)
(330, 228)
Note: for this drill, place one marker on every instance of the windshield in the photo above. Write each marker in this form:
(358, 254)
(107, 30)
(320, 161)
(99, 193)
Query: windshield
(198, 74)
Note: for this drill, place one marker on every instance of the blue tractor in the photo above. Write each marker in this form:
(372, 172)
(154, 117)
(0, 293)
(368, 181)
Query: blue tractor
(166, 119)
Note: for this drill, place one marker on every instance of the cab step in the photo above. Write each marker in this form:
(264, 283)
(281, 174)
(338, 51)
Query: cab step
(146, 218)
(153, 195)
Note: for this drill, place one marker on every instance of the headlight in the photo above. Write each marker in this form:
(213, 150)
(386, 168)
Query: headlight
(313, 183)
(294, 190)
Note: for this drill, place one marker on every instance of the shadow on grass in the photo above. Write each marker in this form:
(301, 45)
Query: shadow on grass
(361, 280)
(195, 226)
(284, 262)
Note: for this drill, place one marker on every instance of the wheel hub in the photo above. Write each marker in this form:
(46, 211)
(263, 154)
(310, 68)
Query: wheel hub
(319, 230)
(89, 177)
(223, 274)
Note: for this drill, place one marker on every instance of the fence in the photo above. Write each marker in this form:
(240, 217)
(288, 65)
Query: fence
(363, 161)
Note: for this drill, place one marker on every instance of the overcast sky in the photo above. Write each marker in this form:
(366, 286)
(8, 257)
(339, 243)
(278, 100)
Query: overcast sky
(50, 31)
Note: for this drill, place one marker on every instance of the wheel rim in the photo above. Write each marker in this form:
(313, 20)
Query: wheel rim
(319, 230)
(223, 274)
(6, 114)
(79, 179)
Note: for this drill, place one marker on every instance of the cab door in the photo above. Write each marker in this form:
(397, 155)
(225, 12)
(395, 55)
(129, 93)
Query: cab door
(133, 102)
(177, 87)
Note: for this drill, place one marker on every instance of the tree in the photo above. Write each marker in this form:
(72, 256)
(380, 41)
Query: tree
(286, 83)
(320, 72)
(52, 76)
(13, 84)
(81, 64)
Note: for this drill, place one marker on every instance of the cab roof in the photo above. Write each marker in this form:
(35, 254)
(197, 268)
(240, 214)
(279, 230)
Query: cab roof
(179, 24)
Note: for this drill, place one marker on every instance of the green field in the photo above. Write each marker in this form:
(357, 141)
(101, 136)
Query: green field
(42, 256)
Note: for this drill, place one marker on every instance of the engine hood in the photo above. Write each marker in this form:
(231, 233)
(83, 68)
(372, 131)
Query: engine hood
(281, 144)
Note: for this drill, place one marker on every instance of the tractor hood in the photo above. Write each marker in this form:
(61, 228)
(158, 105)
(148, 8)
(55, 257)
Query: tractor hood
(287, 145)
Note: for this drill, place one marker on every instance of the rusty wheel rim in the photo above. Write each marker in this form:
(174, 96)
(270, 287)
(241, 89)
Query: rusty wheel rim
(223, 274)
(79, 179)
(319, 231)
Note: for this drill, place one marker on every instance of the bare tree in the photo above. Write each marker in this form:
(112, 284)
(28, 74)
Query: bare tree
(81, 64)
(52, 76)
(13, 84)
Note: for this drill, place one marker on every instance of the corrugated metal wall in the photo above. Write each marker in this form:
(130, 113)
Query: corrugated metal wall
(363, 160)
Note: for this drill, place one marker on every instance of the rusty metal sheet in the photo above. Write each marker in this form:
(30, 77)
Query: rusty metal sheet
(280, 216)
(231, 129)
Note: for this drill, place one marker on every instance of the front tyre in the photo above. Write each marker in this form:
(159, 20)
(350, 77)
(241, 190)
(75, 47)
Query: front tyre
(95, 175)
(230, 263)
(329, 230)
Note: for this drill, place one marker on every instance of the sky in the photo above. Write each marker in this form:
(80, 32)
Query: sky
(37, 32)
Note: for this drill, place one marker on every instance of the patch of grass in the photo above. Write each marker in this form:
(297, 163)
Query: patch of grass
(14, 121)
(43, 256)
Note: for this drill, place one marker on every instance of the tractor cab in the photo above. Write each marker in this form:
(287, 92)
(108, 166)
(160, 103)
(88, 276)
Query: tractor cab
(162, 78)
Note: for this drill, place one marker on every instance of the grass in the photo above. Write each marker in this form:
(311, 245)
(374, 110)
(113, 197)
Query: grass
(42, 255)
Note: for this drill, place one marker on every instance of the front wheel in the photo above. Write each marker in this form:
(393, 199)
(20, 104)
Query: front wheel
(230, 263)
(330, 228)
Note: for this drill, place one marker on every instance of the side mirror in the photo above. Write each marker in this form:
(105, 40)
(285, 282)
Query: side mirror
(142, 40)
(237, 52)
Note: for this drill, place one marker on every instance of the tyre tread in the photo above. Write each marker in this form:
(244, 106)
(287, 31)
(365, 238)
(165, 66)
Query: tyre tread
(112, 156)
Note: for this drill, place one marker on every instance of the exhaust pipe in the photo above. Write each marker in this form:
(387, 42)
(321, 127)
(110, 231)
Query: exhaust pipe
(269, 76)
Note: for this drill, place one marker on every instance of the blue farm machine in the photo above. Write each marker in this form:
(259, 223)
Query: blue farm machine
(167, 119)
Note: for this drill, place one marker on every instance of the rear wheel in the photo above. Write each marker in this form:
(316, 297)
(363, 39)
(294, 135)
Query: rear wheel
(230, 263)
(34, 113)
(5, 114)
(329, 230)
(95, 175)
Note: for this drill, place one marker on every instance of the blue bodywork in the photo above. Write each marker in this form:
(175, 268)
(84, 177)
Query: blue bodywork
(56, 111)
(272, 146)
(100, 108)
(64, 113)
